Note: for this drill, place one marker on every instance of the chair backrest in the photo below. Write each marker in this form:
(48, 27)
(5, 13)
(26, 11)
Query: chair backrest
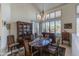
(26, 47)
(65, 35)
(10, 39)
(51, 35)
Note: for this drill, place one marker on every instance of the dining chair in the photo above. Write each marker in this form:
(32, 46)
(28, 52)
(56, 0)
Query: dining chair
(27, 48)
(65, 36)
(52, 50)
(11, 43)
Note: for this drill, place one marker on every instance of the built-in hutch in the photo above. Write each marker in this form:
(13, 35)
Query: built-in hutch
(24, 31)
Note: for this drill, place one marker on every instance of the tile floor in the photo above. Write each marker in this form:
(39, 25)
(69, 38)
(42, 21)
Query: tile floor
(68, 51)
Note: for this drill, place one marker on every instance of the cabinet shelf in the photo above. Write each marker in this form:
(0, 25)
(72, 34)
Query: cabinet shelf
(24, 30)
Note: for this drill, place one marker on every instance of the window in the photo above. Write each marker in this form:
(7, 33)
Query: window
(47, 26)
(77, 9)
(58, 27)
(78, 26)
(55, 14)
(52, 27)
(35, 27)
(43, 27)
(77, 20)
(58, 13)
(52, 15)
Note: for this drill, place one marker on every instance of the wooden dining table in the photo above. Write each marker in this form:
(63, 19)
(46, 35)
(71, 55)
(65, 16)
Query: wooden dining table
(54, 47)
(35, 43)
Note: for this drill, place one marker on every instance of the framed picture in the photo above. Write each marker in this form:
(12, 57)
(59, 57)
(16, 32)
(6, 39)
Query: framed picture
(68, 26)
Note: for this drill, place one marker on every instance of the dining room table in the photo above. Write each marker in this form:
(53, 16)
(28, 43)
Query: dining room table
(40, 43)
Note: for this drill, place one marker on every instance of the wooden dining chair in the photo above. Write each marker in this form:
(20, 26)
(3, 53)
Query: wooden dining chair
(52, 50)
(35, 51)
(26, 47)
(65, 36)
(10, 42)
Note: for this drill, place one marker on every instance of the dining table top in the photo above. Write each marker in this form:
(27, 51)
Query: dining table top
(37, 42)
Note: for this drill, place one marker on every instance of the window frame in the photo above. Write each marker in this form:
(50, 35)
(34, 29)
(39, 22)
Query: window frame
(77, 15)
(50, 15)
(50, 25)
(55, 14)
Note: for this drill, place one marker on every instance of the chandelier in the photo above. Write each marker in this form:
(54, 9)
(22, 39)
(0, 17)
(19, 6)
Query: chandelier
(42, 16)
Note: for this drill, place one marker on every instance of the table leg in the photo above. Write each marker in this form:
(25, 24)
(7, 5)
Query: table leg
(41, 51)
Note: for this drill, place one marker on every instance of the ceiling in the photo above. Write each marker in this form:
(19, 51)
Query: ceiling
(40, 6)
(46, 6)
(29, 10)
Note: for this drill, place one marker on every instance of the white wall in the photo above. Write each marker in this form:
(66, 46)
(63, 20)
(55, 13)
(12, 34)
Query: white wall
(22, 12)
(68, 16)
(0, 10)
(75, 45)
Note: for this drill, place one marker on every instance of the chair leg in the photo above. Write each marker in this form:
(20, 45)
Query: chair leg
(69, 43)
(11, 51)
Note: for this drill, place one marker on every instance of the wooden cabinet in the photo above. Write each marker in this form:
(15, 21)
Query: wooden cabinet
(24, 31)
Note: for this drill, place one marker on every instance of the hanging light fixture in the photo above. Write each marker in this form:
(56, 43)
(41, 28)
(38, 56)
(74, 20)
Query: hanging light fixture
(42, 15)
